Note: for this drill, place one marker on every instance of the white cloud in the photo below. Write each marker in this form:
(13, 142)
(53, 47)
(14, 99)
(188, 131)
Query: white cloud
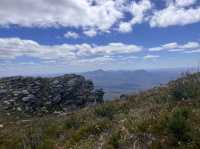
(86, 50)
(71, 35)
(190, 45)
(175, 47)
(174, 15)
(176, 50)
(118, 48)
(125, 27)
(151, 57)
(193, 51)
(167, 46)
(154, 49)
(172, 45)
(138, 11)
(66, 13)
(90, 33)
(11, 48)
(96, 16)
(184, 3)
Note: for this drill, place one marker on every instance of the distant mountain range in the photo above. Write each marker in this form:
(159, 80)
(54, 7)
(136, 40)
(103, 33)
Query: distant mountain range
(116, 83)
(120, 82)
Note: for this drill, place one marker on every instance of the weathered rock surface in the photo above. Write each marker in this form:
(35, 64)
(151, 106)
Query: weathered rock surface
(44, 95)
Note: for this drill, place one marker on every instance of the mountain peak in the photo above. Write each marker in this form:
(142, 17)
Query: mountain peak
(99, 70)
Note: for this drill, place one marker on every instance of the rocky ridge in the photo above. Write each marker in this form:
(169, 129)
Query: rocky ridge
(46, 95)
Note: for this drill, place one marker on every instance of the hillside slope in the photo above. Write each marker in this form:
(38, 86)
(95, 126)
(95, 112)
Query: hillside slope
(161, 118)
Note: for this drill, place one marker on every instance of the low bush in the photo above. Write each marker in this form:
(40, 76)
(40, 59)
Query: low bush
(93, 128)
(72, 122)
(178, 125)
(105, 110)
(114, 140)
(186, 88)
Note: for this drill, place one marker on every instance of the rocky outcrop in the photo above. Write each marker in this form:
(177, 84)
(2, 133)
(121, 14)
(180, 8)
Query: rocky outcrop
(44, 95)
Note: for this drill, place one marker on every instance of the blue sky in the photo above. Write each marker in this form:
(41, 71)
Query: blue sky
(67, 36)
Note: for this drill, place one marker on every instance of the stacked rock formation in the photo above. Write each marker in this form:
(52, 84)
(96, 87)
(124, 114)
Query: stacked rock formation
(44, 95)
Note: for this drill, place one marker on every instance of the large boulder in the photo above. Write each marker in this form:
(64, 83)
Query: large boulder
(41, 95)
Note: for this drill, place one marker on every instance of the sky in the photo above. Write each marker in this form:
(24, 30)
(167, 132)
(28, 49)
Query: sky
(65, 36)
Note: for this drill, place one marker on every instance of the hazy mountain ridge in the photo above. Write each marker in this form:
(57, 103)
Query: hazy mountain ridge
(121, 82)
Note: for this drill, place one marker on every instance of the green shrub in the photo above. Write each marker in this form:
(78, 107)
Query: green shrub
(186, 88)
(72, 123)
(52, 129)
(106, 110)
(123, 108)
(95, 129)
(114, 140)
(47, 144)
(36, 138)
(10, 143)
(178, 125)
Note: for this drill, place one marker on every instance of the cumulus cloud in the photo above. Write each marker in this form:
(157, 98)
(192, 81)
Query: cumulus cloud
(90, 33)
(138, 11)
(193, 51)
(184, 3)
(71, 35)
(125, 27)
(170, 45)
(90, 15)
(167, 46)
(151, 57)
(154, 49)
(176, 14)
(94, 16)
(11, 48)
(190, 45)
(175, 47)
(67, 13)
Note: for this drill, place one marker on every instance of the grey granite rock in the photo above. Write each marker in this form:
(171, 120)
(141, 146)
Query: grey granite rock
(43, 95)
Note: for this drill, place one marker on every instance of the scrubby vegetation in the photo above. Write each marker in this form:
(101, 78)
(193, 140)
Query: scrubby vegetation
(161, 118)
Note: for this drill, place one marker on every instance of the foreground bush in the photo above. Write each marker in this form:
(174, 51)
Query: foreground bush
(186, 88)
(179, 126)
